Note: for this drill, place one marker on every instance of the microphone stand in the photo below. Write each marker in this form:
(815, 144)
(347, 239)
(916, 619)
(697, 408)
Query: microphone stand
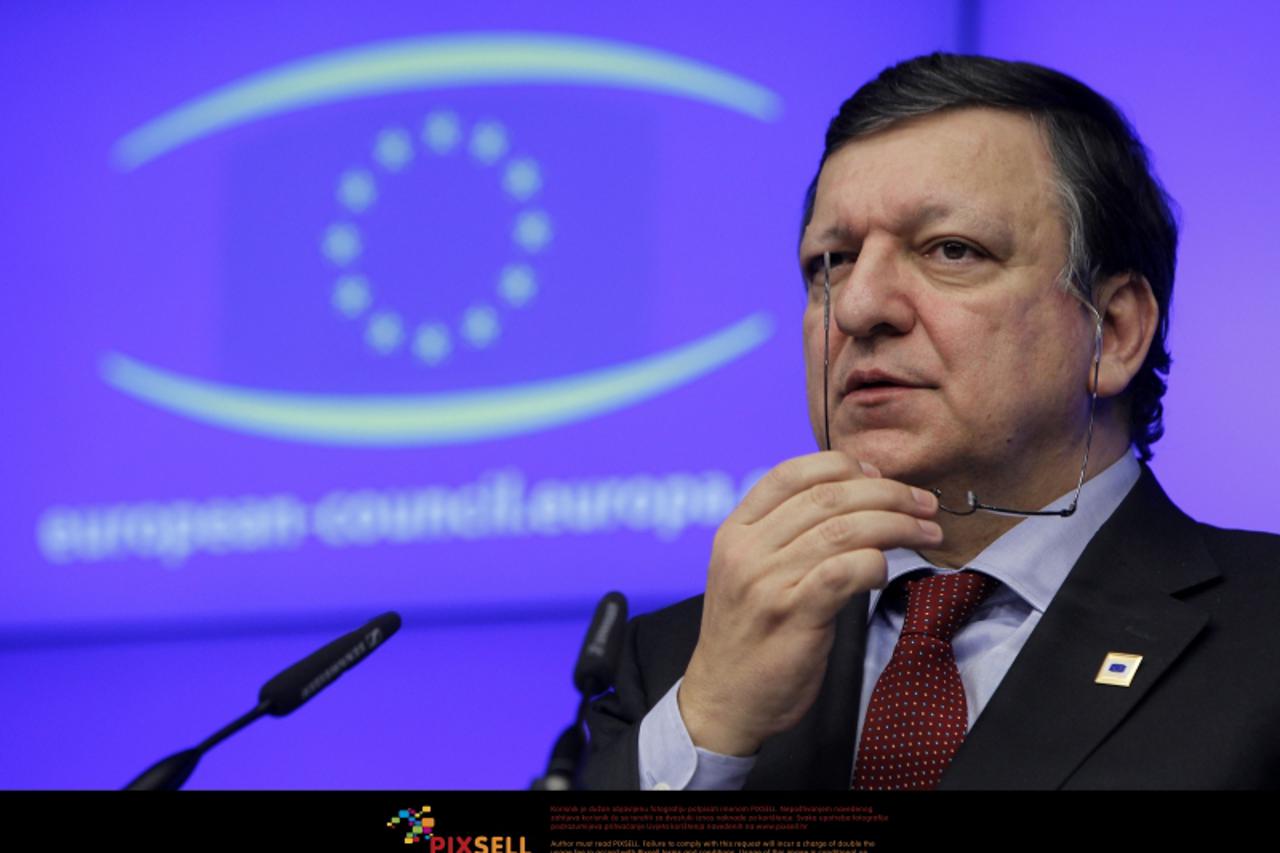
(566, 755)
(169, 774)
(594, 674)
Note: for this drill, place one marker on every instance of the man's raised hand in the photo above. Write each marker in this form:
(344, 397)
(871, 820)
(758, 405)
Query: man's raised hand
(808, 536)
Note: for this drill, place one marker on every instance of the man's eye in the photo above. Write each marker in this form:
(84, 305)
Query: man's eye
(954, 250)
(814, 272)
(838, 259)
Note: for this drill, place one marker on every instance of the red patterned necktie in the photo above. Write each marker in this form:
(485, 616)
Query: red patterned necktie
(917, 716)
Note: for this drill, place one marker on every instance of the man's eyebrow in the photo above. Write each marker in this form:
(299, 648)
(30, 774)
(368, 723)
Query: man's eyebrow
(992, 230)
(994, 227)
(834, 236)
(834, 233)
(924, 215)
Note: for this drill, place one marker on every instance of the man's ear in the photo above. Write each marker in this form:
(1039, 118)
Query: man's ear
(1129, 318)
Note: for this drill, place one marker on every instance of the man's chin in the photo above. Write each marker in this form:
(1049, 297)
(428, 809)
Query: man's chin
(906, 462)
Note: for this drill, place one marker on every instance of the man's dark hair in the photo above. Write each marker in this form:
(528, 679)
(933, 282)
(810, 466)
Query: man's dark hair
(1119, 219)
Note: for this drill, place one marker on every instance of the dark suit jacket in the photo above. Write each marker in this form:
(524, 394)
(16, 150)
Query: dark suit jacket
(1200, 604)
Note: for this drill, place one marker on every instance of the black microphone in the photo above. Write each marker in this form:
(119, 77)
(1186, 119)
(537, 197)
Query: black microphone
(280, 696)
(285, 693)
(598, 660)
(593, 674)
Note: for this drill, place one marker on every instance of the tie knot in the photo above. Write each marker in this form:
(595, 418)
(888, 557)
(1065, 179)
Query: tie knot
(938, 605)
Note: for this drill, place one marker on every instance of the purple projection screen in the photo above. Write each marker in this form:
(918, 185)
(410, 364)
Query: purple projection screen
(414, 312)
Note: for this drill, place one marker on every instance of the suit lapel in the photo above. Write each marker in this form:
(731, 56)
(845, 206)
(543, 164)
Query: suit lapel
(818, 752)
(1048, 715)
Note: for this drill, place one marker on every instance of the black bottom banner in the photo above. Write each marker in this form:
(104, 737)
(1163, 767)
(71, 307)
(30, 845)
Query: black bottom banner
(545, 822)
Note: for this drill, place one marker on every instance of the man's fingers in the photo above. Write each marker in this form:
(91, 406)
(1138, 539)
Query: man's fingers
(828, 586)
(822, 501)
(854, 531)
(791, 478)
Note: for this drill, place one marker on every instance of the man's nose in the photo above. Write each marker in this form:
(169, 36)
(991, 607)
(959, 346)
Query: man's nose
(875, 297)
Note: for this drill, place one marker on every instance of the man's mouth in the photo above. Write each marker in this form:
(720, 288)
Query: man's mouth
(867, 382)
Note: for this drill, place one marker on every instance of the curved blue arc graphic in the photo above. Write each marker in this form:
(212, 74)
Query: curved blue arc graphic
(439, 62)
(457, 417)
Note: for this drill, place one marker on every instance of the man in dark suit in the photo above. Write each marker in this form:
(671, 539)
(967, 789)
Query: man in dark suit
(989, 264)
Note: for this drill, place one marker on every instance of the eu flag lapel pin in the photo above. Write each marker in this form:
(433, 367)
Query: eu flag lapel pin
(1118, 669)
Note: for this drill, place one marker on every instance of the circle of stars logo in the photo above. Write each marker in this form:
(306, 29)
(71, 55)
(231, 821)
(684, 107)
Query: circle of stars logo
(431, 340)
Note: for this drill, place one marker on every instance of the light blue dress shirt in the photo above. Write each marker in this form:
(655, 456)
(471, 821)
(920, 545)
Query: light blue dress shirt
(1031, 561)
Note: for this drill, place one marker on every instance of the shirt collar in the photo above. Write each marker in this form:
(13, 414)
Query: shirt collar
(1035, 556)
